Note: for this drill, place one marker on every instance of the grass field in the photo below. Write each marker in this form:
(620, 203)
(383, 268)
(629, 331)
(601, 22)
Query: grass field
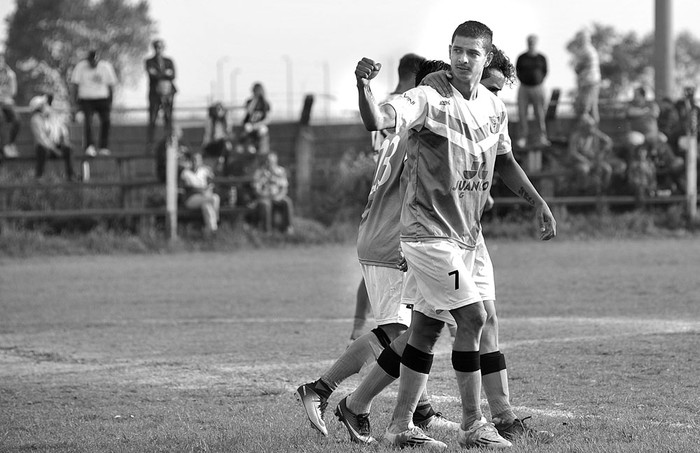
(203, 351)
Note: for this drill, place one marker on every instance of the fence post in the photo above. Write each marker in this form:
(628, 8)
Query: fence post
(303, 150)
(691, 173)
(171, 187)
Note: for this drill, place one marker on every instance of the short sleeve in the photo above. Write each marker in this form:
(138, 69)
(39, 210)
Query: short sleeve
(411, 108)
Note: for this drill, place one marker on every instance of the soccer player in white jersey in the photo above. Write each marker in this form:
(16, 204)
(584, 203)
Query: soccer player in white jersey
(493, 366)
(452, 149)
(408, 67)
(378, 252)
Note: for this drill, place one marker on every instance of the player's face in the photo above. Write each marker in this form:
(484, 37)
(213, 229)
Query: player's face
(468, 56)
(495, 81)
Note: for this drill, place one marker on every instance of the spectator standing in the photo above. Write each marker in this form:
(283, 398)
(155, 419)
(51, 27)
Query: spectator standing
(198, 182)
(8, 90)
(271, 184)
(531, 69)
(93, 82)
(255, 122)
(587, 68)
(50, 133)
(161, 90)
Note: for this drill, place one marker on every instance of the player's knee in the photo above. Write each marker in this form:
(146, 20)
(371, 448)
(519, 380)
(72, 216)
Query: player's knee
(471, 318)
(425, 331)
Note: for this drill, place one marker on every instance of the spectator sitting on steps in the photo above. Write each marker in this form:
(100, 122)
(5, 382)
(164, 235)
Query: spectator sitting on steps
(50, 136)
(270, 183)
(256, 132)
(590, 152)
(197, 181)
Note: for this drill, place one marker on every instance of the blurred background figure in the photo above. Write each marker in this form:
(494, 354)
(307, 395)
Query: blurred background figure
(93, 81)
(641, 117)
(256, 133)
(8, 90)
(588, 78)
(182, 150)
(161, 90)
(641, 173)
(51, 139)
(217, 140)
(274, 207)
(198, 184)
(531, 69)
(590, 153)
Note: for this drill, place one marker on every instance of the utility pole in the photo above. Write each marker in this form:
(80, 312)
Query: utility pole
(664, 50)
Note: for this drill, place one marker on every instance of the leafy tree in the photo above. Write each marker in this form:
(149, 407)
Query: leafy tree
(626, 59)
(46, 38)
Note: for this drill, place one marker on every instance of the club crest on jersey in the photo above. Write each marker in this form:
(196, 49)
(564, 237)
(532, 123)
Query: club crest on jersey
(493, 124)
(474, 179)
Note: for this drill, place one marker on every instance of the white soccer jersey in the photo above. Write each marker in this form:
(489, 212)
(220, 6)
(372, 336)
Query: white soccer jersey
(451, 151)
(378, 235)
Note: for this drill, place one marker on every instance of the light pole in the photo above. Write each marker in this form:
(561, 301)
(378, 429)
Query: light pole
(220, 76)
(290, 87)
(233, 80)
(326, 86)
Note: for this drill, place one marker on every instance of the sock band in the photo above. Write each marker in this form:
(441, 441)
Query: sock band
(493, 362)
(466, 361)
(382, 337)
(390, 362)
(417, 360)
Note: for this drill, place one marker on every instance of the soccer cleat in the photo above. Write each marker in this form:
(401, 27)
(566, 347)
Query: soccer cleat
(482, 434)
(104, 152)
(436, 421)
(518, 428)
(357, 424)
(90, 151)
(412, 437)
(315, 406)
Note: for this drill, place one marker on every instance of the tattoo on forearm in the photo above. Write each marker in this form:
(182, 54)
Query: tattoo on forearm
(526, 196)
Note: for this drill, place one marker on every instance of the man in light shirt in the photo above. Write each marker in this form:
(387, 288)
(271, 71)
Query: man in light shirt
(93, 82)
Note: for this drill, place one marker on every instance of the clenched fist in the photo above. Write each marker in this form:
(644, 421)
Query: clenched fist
(366, 70)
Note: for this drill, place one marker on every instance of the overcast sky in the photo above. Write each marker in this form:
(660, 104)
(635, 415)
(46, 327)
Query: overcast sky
(311, 46)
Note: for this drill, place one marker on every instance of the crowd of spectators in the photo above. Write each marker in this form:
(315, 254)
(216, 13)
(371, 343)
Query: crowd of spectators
(251, 176)
(647, 160)
(238, 153)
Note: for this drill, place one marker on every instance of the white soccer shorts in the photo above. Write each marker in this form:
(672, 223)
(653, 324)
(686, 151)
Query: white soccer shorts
(384, 287)
(445, 276)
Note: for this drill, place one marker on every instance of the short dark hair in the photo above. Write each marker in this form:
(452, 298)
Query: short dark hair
(500, 62)
(476, 30)
(428, 67)
(409, 64)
